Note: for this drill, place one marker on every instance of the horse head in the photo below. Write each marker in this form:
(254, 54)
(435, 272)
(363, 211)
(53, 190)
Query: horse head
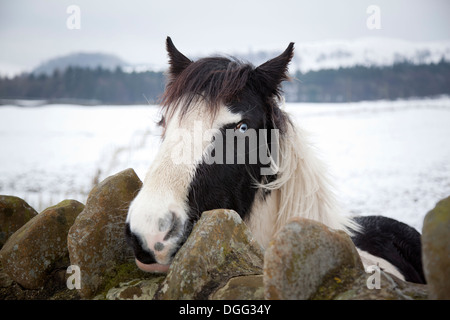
(220, 121)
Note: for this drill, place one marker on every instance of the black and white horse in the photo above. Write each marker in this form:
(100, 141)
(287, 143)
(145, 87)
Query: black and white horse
(227, 143)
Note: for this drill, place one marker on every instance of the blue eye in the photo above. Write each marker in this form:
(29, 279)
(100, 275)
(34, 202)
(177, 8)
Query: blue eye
(242, 127)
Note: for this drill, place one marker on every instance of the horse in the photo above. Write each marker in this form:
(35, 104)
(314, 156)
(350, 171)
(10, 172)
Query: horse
(228, 143)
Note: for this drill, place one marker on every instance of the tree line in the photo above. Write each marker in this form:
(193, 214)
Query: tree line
(102, 86)
(401, 80)
(93, 86)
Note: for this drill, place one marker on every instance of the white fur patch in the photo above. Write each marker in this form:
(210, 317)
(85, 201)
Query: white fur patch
(371, 260)
(262, 218)
(167, 181)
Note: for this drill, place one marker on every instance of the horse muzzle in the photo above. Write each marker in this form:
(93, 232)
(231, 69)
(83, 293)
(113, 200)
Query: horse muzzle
(154, 247)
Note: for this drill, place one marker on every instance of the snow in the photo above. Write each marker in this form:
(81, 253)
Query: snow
(386, 157)
(334, 54)
(54, 152)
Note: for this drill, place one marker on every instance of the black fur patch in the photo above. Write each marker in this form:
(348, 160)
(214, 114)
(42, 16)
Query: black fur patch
(393, 241)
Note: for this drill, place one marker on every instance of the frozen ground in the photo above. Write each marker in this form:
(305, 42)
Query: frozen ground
(388, 158)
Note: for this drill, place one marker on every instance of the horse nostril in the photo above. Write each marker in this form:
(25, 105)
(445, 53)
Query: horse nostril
(159, 246)
(174, 226)
(165, 223)
(162, 239)
(140, 253)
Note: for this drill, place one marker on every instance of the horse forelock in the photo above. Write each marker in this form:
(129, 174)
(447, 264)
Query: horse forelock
(217, 80)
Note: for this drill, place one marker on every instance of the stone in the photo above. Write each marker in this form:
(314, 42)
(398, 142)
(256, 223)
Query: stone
(219, 248)
(5, 280)
(241, 288)
(390, 288)
(436, 250)
(40, 245)
(137, 289)
(53, 289)
(122, 276)
(302, 255)
(14, 213)
(96, 241)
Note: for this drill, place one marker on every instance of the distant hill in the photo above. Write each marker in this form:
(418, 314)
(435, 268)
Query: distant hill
(335, 54)
(82, 60)
(309, 56)
(333, 71)
(368, 52)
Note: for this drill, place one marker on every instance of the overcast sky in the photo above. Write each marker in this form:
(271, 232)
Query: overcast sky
(34, 31)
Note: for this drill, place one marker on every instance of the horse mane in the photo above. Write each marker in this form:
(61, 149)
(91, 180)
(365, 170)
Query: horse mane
(304, 189)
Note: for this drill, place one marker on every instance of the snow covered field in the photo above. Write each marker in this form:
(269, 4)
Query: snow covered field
(387, 157)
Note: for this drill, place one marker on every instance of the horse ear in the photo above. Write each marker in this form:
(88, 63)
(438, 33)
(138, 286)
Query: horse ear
(275, 71)
(178, 61)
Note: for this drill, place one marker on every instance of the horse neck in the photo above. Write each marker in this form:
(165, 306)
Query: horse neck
(302, 189)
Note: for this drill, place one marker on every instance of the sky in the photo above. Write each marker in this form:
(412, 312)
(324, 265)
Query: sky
(32, 32)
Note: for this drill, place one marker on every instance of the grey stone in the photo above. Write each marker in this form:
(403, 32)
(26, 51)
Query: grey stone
(40, 245)
(96, 241)
(241, 288)
(219, 248)
(137, 289)
(14, 213)
(302, 255)
(436, 250)
(389, 288)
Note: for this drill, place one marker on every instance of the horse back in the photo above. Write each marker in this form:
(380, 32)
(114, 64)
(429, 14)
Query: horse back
(393, 241)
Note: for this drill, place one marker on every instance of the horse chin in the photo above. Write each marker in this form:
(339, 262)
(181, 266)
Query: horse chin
(153, 267)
